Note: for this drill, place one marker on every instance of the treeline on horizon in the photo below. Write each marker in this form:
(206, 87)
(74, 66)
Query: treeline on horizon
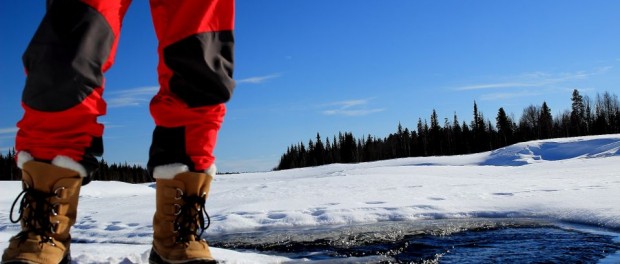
(106, 172)
(587, 116)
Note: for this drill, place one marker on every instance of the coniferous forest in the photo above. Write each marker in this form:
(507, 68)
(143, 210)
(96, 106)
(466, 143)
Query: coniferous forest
(106, 172)
(587, 116)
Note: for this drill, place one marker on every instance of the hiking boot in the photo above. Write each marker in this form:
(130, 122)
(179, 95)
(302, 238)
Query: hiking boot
(47, 209)
(179, 214)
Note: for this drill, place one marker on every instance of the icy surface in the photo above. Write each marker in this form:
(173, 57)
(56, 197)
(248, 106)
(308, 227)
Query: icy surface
(574, 180)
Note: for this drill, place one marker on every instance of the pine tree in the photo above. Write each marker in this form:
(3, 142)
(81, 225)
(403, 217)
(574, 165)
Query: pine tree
(468, 139)
(577, 115)
(504, 127)
(424, 137)
(311, 155)
(328, 150)
(545, 122)
(435, 135)
(476, 121)
(348, 148)
(457, 135)
(481, 140)
(448, 145)
(319, 151)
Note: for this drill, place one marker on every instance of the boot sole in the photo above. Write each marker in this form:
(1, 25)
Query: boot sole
(154, 258)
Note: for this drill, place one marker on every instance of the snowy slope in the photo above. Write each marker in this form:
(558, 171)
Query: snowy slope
(574, 180)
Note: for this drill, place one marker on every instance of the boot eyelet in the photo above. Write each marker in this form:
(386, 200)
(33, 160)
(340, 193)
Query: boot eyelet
(54, 226)
(55, 209)
(57, 192)
(47, 239)
(179, 194)
(177, 210)
(175, 228)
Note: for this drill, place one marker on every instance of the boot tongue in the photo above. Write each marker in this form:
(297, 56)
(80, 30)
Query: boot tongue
(195, 183)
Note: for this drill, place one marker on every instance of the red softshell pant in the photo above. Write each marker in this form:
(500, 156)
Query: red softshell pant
(75, 45)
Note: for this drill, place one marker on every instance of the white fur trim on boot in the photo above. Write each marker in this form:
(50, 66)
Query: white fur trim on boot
(69, 163)
(169, 171)
(212, 170)
(23, 157)
(60, 161)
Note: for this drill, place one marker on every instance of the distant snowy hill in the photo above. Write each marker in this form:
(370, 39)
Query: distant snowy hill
(528, 153)
(554, 150)
(575, 180)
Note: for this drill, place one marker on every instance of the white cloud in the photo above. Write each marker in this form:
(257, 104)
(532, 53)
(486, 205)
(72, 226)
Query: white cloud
(131, 97)
(493, 86)
(356, 107)
(8, 130)
(360, 112)
(504, 96)
(535, 79)
(258, 79)
(349, 103)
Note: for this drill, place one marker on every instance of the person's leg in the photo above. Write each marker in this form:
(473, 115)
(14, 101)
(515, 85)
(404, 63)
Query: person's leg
(59, 137)
(65, 61)
(195, 76)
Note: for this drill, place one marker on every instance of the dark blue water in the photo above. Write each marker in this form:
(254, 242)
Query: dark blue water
(436, 242)
(508, 245)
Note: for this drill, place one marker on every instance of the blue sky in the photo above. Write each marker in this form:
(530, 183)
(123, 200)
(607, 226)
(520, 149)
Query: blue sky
(326, 66)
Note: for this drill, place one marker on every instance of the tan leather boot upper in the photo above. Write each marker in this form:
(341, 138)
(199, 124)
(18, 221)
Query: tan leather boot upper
(177, 218)
(49, 207)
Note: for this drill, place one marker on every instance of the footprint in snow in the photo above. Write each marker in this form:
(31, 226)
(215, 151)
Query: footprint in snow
(276, 216)
(503, 194)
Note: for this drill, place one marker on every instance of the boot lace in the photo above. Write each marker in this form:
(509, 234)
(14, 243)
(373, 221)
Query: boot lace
(37, 219)
(190, 216)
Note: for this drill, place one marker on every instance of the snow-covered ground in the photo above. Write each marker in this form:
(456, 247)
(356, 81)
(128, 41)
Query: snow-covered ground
(574, 180)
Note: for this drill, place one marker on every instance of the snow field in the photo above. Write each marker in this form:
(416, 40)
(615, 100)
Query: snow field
(573, 180)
